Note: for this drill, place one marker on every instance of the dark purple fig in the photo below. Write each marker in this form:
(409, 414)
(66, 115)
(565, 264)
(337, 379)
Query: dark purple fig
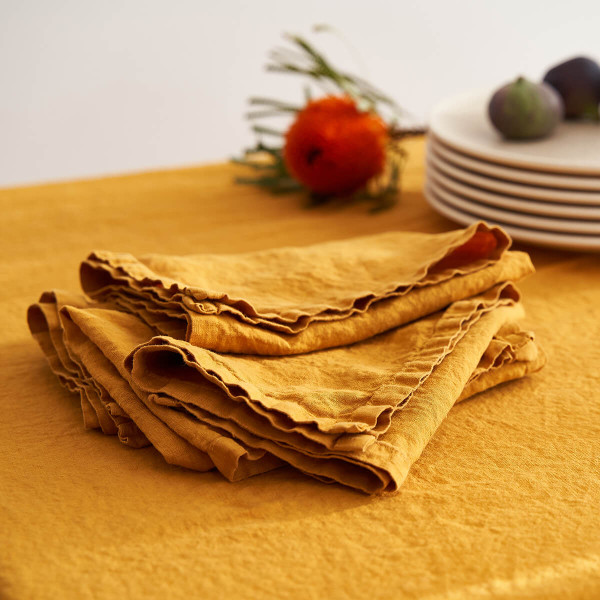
(524, 110)
(578, 82)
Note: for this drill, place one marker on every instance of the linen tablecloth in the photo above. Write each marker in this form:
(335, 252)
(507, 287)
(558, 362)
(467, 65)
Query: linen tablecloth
(503, 503)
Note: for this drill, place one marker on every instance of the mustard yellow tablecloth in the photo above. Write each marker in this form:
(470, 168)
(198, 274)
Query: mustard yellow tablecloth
(503, 503)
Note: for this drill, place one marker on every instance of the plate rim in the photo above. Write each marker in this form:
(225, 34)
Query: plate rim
(517, 203)
(574, 183)
(563, 241)
(547, 223)
(509, 188)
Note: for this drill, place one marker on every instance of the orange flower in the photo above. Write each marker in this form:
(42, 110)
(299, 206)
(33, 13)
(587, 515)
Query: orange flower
(333, 148)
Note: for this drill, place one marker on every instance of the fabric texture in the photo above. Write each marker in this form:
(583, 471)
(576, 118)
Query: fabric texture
(502, 503)
(340, 359)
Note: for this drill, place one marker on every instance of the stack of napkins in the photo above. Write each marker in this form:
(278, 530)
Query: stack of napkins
(340, 359)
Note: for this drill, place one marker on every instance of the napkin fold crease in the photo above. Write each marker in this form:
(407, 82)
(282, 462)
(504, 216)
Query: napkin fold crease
(340, 359)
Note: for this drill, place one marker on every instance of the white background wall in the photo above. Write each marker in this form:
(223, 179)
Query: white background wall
(107, 86)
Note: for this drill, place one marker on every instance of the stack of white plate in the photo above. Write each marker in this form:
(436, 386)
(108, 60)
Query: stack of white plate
(544, 192)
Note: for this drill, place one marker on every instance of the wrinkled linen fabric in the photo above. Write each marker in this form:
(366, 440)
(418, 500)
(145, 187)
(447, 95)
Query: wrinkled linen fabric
(340, 359)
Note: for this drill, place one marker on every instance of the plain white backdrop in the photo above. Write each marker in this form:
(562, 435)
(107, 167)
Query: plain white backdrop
(110, 86)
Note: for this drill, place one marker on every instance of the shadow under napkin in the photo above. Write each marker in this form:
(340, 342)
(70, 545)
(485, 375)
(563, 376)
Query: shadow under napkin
(340, 359)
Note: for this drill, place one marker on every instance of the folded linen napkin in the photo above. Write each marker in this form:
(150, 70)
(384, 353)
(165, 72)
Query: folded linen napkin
(341, 359)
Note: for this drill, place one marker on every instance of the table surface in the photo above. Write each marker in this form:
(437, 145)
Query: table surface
(503, 503)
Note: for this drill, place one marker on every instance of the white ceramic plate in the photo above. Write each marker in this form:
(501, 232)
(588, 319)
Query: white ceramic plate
(519, 205)
(514, 189)
(566, 241)
(513, 175)
(462, 123)
(514, 218)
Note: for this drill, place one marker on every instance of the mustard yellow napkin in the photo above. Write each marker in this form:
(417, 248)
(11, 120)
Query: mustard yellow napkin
(296, 300)
(340, 359)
